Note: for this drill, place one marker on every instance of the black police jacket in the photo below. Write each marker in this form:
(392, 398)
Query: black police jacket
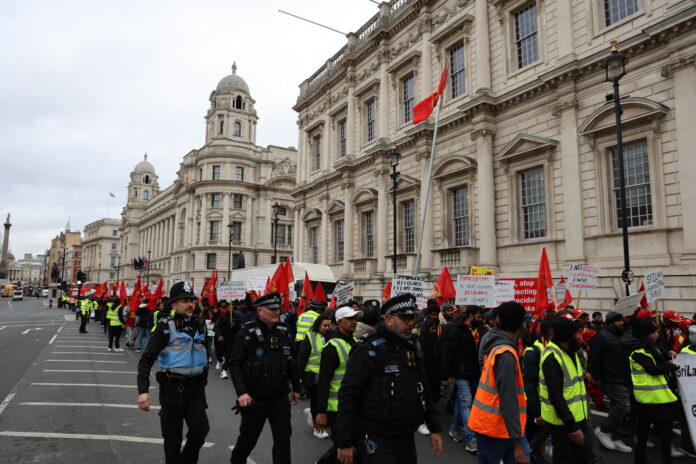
(384, 390)
(261, 362)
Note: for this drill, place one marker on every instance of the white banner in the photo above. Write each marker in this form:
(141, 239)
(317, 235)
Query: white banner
(256, 283)
(626, 306)
(504, 291)
(654, 285)
(415, 285)
(686, 377)
(344, 293)
(582, 277)
(476, 290)
(230, 291)
(559, 290)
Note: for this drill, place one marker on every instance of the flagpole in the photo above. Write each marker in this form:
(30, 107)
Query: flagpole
(427, 189)
(108, 203)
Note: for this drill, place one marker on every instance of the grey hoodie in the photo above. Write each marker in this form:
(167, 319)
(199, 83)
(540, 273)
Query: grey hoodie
(505, 380)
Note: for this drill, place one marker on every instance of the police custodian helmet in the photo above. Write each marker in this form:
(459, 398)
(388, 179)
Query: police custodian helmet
(181, 289)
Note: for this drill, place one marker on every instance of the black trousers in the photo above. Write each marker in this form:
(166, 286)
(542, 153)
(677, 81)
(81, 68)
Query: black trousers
(220, 350)
(312, 394)
(83, 322)
(329, 457)
(114, 335)
(275, 409)
(388, 450)
(661, 429)
(565, 452)
(183, 401)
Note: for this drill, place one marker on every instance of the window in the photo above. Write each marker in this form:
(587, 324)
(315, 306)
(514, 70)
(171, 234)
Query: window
(112, 275)
(408, 97)
(339, 240)
(316, 152)
(113, 246)
(236, 231)
(238, 102)
(237, 131)
(237, 201)
(114, 233)
(221, 126)
(239, 174)
(200, 174)
(210, 260)
(281, 210)
(216, 172)
(526, 36)
(616, 10)
(457, 76)
(235, 260)
(284, 234)
(146, 195)
(214, 234)
(113, 261)
(638, 194)
(460, 216)
(147, 179)
(314, 244)
(533, 203)
(409, 245)
(370, 115)
(369, 237)
(341, 129)
(215, 200)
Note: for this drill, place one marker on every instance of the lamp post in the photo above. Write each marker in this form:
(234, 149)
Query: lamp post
(229, 252)
(276, 208)
(615, 69)
(394, 160)
(147, 267)
(117, 267)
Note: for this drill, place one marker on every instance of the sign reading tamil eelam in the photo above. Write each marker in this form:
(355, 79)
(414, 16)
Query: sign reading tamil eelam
(654, 285)
(476, 290)
(582, 277)
(415, 285)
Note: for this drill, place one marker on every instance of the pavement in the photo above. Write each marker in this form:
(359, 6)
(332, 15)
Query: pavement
(66, 399)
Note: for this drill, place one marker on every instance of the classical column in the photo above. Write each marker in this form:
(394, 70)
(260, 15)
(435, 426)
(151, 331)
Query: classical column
(427, 58)
(483, 48)
(175, 235)
(324, 250)
(350, 118)
(250, 221)
(564, 19)
(347, 228)
(383, 107)
(426, 262)
(685, 118)
(381, 216)
(326, 159)
(204, 219)
(225, 216)
(486, 197)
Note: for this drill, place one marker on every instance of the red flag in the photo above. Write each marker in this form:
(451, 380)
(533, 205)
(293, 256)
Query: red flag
(136, 297)
(443, 290)
(267, 290)
(155, 297)
(567, 299)
(212, 289)
(333, 301)
(423, 109)
(289, 277)
(319, 293)
(306, 294)
(286, 302)
(544, 285)
(644, 300)
(122, 295)
(114, 288)
(386, 293)
(278, 282)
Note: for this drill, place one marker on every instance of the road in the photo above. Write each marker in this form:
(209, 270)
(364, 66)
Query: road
(66, 399)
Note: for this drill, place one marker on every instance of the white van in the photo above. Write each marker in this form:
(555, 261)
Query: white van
(18, 295)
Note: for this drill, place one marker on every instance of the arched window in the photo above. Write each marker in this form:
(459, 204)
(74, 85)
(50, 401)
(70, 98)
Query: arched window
(222, 126)
(146, 195)
(147, 179)
(238, 102)
(237, 129)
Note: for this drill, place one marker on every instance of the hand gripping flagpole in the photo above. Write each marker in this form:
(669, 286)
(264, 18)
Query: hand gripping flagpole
(427, 189)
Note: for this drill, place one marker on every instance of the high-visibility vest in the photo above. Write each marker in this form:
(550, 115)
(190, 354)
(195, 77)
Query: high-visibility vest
(316, 344)
(184, 355)
(689, 350)
(304, 323)
(485, 416)
(574, 391)
(85, 307)
(95, 305)
(156, 318)
(343, 349)
(112, 316)
(647, 388)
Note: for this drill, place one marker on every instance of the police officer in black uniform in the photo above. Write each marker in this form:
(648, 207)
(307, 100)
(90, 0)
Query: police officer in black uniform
(178, 344)
(261, 364)
(384, 396)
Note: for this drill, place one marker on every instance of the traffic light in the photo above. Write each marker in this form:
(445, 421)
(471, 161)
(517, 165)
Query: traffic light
(81, 276)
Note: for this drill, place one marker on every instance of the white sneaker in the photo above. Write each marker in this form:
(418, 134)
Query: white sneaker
(223, 375)
(218, 365)
(623, 447)
(118, 349)
(321, 435)
(109, 349)
(423, 429)
(308, 415)
(548, 450)
(676, 452)
(605, 439)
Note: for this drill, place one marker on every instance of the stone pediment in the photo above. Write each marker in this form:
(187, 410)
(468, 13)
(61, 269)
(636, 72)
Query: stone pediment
(636, 111)
(405, 182)
(526, 145)
(364, 194)
(452, 164)
(336, 206)
(311, 214)
(238, 215)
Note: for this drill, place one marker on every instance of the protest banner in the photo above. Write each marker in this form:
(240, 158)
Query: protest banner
(415, 285)
(480, 270)
(230, 291)
(343, 293)
(525, 292)
(654, 285)
(504, 291)
(559, 291)
(476, 290)
(686, 377)
(625, 306)
(582, 277)
(256, 283)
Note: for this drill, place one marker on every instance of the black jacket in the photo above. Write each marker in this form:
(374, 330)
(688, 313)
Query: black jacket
(608, 358)
(226, 327)
(384, 390)
(553, 375)
(142, 314)
(329, 363)
(530, 371)
(459, 354)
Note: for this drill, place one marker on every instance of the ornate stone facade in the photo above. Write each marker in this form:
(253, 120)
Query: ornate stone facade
(100, 250)
(524, 156)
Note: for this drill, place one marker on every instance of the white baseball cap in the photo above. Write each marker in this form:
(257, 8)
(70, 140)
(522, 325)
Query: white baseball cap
(347, 311)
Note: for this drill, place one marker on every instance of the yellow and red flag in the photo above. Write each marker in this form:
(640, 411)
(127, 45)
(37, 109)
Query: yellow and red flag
(544, 285)
(443, 290)
(122, 295)
(306, 294)
(212, 289)
(386, 293)
(155, 297)
(136, 297)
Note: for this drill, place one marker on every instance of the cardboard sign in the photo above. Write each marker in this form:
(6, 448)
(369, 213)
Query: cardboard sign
(627, 305)
(415, 285)
(476, 290)
(559, 291)
(582, 277)
(504, 291)
(525, 292)
(479, 270)
(256, 283)
(686, 377)
(654, 285)
(230, 291)
(343, 293)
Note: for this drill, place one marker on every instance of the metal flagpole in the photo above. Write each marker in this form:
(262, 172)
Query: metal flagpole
(427, 189)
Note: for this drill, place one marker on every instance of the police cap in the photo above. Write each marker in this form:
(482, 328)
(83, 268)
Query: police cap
(402, 304)
(272, 300)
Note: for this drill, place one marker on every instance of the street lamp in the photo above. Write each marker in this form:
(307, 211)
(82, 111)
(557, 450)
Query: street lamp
(276, 210)
(615, 69)
(394, 160)
(229, 253)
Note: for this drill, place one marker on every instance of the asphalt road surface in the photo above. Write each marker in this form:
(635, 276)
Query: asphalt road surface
(65, 399)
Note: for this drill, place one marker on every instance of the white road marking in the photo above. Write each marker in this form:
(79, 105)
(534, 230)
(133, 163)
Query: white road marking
(91, 341)
(59, 384)
(82, 352)
(7, 400)
(29, 330)
(604, 414)
(104, 345)
(86, 360)
(3, 327)
(90, 371)
(84, 436)
(249, 460)
(25, 325)
(89, 405)
(69, 318)
(52, 339)
(59, 329)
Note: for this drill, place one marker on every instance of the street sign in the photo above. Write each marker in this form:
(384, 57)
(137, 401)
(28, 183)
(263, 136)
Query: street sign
(627, 276)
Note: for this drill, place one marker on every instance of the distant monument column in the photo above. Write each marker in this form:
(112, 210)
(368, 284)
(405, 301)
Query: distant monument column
(6, 239)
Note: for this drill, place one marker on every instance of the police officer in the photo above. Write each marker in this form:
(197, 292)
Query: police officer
(261, 363)
(85, 308)
(384, 395)
(306, 320)
(178, 344)
(115, 321)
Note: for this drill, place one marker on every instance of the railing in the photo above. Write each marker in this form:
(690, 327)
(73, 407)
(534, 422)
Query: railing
(398, 4)
(360, 266)
(450, 258)
(365, 31)
(401, 262)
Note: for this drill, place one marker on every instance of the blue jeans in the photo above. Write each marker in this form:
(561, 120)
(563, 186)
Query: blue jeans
(143, 338)
(496, 450)
(462, 408)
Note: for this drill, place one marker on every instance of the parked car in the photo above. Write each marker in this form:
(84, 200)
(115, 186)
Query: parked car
(18, 295)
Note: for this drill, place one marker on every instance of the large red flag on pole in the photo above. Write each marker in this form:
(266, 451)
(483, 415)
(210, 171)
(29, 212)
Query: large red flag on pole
(424, 109)
(544, 285)
(135, 298)
(443, 290)
(386, 293)
(122, 295)
(277, 283)
(319, 293)
(212, 289)
(306, 294)
(155, 297)
(289, 276)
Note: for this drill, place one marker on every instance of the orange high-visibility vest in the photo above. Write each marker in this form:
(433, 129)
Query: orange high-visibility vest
(485, 417)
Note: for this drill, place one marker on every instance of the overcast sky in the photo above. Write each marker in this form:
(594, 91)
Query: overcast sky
(87, 87)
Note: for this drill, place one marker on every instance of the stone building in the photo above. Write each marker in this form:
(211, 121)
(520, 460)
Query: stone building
(221, 202)
(32, 269)
(525, 154)
(56, 266)
(100, 249)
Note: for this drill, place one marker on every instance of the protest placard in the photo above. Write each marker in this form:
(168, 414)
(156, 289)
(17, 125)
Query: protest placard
(256, 283)
(654, 285)
(559, 291)
(504, 291)
(686, 377)
(232, 290)
(344, 293)
(480, 270)
(627, 305)
(525, 292)
(476, 290)
(582, 277)
(415, 285)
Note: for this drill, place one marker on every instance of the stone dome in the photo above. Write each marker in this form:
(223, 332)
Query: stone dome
(144, 167)
(232, 83)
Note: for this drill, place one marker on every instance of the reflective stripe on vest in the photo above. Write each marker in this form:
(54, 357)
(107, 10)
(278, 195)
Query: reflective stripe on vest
(155, 318)
(486, 417)
(316, 343)
(647, 388)
(85, 307)
(342, 348)
(689, 350)
(304, 323)
(574, 391)
(112, 316)
(184, 355)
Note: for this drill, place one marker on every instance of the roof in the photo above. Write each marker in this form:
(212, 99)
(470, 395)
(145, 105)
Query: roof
(232, 83)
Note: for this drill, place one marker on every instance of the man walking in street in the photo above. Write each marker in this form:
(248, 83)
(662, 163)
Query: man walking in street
(115, 321)
(85, 308)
